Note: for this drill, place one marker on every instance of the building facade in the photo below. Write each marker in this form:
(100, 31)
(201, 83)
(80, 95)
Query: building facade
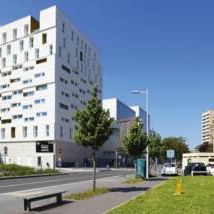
(141, 113)
(124, 117)
(122, 114)
(117, 109)
(47, 70)
(207, 126)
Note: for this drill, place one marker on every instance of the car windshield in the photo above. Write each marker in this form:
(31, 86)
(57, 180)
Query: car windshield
(169, 165)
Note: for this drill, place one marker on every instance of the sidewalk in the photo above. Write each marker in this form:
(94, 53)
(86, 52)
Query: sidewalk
(103, 203)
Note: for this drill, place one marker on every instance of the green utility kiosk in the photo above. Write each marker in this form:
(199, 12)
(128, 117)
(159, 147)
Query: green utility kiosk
(140, 167)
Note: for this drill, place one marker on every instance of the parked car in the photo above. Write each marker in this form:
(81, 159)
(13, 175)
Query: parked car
(210, 169)
(195, 169)
(169, 169)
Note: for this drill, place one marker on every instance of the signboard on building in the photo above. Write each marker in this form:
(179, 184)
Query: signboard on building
(44, 146)
(170, 153)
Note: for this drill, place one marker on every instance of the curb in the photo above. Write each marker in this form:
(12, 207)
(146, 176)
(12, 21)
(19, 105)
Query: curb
(32, 176)
(97, 169)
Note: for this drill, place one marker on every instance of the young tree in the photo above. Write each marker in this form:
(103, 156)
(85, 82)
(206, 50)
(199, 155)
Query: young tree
(93, 127)
(155, 146)
(136, 140)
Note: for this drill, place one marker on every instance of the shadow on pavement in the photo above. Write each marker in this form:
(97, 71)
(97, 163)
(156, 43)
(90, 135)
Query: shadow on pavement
(51, 206)
(158, 179)
(129, 189)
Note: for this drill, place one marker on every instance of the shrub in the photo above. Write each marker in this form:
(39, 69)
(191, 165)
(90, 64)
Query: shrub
(16, 170)
(13, 169)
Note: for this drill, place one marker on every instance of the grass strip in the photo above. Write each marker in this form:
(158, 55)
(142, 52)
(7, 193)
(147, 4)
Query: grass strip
(87, 194)
(133, 180)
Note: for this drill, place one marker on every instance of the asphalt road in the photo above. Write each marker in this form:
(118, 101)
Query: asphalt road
(12, 185)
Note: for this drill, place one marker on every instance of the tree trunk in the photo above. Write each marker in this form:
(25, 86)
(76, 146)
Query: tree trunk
(94, 172)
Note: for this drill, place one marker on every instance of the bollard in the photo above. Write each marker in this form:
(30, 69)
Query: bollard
(179, 188)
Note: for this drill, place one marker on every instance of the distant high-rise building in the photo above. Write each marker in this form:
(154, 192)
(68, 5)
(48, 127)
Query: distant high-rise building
(207, 126)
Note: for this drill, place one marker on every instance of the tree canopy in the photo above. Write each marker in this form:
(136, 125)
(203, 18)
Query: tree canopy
(155, 145)
(93, 124)
(178, 144)
(204, 147)
(136, 140)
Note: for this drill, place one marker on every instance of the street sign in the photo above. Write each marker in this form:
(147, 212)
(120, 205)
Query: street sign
(170, 153)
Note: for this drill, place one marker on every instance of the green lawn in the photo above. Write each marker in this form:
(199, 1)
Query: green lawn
(198, 198)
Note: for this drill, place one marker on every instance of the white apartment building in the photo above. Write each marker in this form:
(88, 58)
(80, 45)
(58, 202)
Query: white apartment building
(207, 123)
(47, 70)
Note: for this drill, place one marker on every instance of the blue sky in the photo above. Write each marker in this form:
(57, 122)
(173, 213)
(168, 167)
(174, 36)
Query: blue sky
(166, 46)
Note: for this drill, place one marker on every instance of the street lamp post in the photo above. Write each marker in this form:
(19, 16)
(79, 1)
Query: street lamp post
(146, 92)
